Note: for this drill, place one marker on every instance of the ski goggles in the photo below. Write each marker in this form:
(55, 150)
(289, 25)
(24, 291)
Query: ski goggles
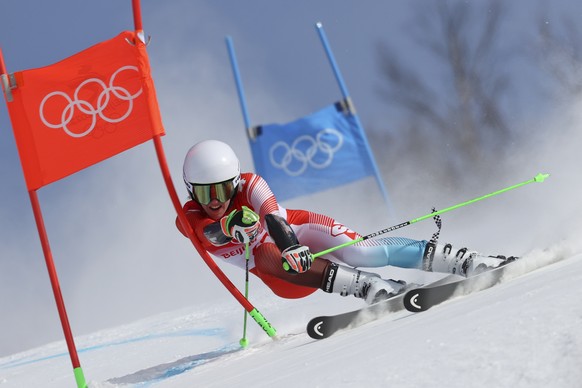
(222, 191)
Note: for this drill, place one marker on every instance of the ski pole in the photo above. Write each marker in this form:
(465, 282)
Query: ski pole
(538, 178)
(243, 341)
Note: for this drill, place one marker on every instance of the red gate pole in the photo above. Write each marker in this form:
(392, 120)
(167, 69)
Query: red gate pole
(50, 265)
(78, 371)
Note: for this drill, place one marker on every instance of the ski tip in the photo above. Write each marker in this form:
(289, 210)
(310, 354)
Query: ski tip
(317, 329)
(412, 301)
(541, 177)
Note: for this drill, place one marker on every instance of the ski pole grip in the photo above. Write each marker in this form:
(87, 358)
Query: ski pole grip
(287, 267)
(262, 321)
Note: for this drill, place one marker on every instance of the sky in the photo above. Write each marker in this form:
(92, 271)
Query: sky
(111, 227)
(524, 332)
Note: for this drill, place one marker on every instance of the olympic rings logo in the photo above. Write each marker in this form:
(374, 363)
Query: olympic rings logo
(87, 108)
(306, 151)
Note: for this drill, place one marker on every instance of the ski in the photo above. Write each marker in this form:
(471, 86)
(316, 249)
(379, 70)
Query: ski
(423, 298)
(326, 325)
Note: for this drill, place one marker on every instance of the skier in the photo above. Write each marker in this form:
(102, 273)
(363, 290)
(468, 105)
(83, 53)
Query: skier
(228, 210)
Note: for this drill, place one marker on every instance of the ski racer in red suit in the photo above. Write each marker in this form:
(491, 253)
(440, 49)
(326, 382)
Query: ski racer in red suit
(228, 210)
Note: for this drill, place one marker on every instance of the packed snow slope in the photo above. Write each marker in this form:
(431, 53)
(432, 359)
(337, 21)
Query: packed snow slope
(524, 332)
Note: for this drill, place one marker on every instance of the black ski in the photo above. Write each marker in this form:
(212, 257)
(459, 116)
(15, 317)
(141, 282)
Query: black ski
(423, 298)
(414, 300)
(324, 326)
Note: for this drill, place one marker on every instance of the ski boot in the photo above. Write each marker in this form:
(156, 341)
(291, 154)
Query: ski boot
(445, 258)
(365, 285)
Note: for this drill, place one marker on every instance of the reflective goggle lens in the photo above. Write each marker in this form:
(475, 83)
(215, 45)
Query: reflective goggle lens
(205, 193)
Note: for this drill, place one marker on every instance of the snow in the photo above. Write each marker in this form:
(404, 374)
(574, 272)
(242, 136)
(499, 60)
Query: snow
(524, 332)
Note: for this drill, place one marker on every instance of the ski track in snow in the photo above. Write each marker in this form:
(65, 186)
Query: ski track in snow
(524, 332)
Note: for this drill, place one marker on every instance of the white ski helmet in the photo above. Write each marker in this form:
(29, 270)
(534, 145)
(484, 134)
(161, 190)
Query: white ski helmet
(211, 165)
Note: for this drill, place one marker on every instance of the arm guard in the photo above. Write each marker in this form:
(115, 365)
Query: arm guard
(280, 231)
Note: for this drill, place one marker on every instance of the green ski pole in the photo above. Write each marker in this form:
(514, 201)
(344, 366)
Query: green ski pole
(244, 342)
(538, 178)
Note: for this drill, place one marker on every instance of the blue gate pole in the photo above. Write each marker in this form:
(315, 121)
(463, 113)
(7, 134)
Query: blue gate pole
(239, 87)
(344, 90)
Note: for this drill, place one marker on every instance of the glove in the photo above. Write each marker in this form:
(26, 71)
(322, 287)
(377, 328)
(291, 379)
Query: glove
(241, 225)
(297, 259)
